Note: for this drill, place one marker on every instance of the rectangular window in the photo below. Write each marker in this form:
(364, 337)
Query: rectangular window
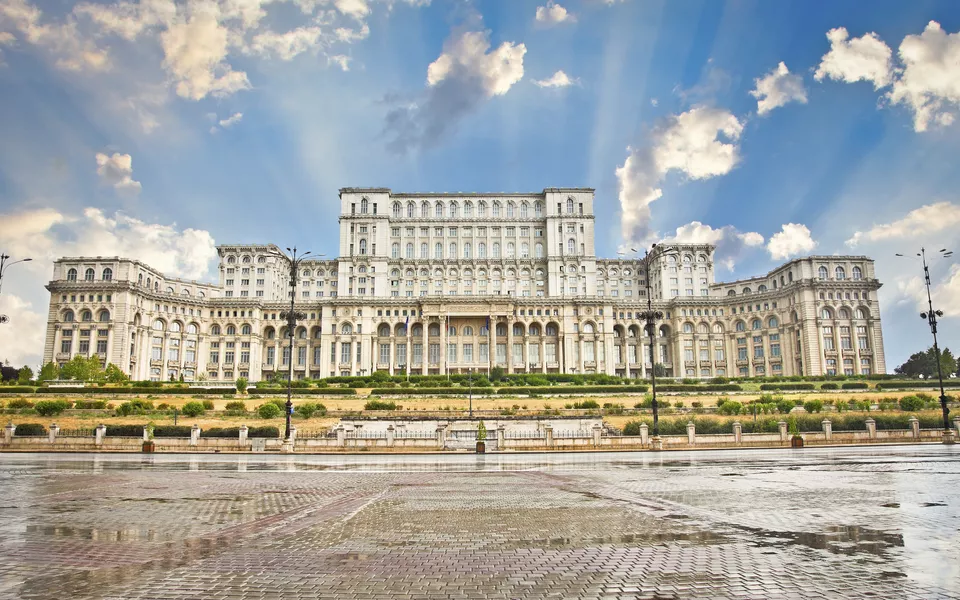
(359, 345)
(718, 354)
(228, 357)
(501, 354)
(451, 353)
(758, 351)
(418, 354)
(468, 353)
(434, 354)
(271, 355)
(484, 353)
(301, 356)
(401, 355)
(384, 354)
(345, 348)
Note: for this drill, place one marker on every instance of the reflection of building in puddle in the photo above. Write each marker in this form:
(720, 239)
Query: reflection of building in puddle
(837, 539)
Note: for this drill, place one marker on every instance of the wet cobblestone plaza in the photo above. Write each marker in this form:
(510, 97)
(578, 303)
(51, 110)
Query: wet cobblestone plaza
(816, 523)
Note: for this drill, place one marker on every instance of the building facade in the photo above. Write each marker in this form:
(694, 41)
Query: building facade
(451, 283)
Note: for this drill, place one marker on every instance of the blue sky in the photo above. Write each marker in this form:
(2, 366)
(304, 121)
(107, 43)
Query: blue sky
(156, 129)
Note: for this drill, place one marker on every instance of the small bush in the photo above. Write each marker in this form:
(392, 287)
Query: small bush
(586, 404)
(696, 404)
(134, 407)
(90, 404)
(911, 403)
(30, 429)
(730, 407)
(124, 430)
(193, 409)
(49, 408)
(786, 386)
(380, 405)
(264, 431)
(828, 386)
(237, 407)
(813, 406)
(310, 409)
(611, 409)
(221, 432)
(19, 403)
(785, 406)
(208, 404)
(854, 385)
(269, 411)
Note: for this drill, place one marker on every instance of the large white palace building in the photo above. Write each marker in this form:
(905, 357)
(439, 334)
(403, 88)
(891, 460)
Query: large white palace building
(449, 283)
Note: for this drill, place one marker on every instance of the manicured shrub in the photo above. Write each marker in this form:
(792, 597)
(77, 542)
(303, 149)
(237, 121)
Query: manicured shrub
(570, 390)
(786, 386)
(237, 407)
(632, 428)
(17, 389)
(125, 431)
(49, 408)
(854, 385)
(90, 404)
(30, 429)
(412, 391)
(221, 432)
(263, 431)
(813, 406)
(730, 407)
(310, 409)
(193, 409)
(171, 431)
(322, 391)
(785, 406)
(828, 386)
(19, 403)
(380, 405)
(269, 411)
(136, 406)
(911, 403)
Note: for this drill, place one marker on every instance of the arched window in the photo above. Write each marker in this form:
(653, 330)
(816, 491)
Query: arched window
(424, 210)
(231, 260)
(192, 328)
(517, 329)
(688, 327)
(511, 250)
(482, 209)
(306, 273)
(103, 316)
(363, 246)
(571, 246)
(231, 330)
(438, 210)
(245, 330)
(747, 290)
(159, 325)
(717, 328)
(538, 209)
(538, 250)
(176, 327)
(468, 209)
(424, 250)
(108, 274)
(511, 210)
(271, 334)
(569, 206)
(501, 330)
(409, 253)
(761, 288)
(454, 210)
(857, 274)
(396, 210)
(451, 331)
(844, 313)
(169, 289)
(703, 328)
(86, 316)
(524, 210)
(790, 276)
(822, 272)
(741, 326)
(215, 330)
(860, 313)
(496, 249)
(384, 330)
(481, 250)
(261, 260)
(467, 249)
(773, 323)
(438, 250)
(72, 275)
(588, 328)
(364, 205)
(395, 250)
(433, 330)
(496, 210)
(467, 330)
(840, 274)
(68, 316)
(302, 333)
(88, 275)
(524, 250)
(756, 324)
(453, 250)
(826, 314)
(411, 209)
(551, 329)
(346, 329)
(732, 293)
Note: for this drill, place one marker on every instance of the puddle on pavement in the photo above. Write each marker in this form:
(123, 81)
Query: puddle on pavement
(836, 540)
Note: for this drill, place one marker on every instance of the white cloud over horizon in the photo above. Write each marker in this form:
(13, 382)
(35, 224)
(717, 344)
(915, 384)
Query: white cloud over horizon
(557, 80)
(792, 240)
(553, 14)
(777, 88)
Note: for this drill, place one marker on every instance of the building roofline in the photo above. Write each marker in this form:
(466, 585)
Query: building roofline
(360, 190)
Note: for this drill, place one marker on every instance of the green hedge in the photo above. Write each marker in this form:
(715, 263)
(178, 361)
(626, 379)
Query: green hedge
(265, 431)
(171, 391)
(829, 386)
(171, 431)
(17, 389)
(568, 390)
(90, 404)
(477, 391)
(221, 432)
(787, 386)
(709, 387)
(303, 391)
(894, 385)
(30, 429)
(855, 385)
(126, 431)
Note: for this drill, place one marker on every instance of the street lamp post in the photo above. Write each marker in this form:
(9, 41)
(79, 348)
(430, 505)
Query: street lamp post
(4, 265)
(470, 384)
(931, 317)
(292, 316)
(651, 316)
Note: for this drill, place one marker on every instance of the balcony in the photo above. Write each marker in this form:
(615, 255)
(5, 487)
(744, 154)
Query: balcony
(156, 362)
(742, 362)
(63, 356)
(866, 352)
(706, 363)
(173, 363)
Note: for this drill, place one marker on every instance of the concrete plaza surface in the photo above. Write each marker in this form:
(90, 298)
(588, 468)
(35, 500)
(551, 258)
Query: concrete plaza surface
(813, 523)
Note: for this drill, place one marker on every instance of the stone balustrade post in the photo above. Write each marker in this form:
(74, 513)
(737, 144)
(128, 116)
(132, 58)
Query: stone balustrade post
(737, 432)
(293, 435)
(8, 432)
(597, 430)
(391, 436)
(956, 424)
(146, 433)
(54, 430)
(827, 425)
(783, 430)
(914, 427)
(501, 437)
(871, 428)
(644, 434)
(341, 436)
(101, 432)
(195, 435)
(691, 433)
(548, 434)
(243, 434)
(441, 431)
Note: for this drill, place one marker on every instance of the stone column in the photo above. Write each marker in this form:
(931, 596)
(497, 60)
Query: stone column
(101, 432)
(441, 430)
(501, 436)
(443, 347)
(914, 427)
(146, 433)
(691, 433)
(293, 434)
(871, 428)
(8, 432)
(341, 437)
(548, 434)
(409, 360)
(390, 436)
(644, 433)
(491, 344)
(243, 435)
(425, 354)
(195, 435)
(956, 424)
(393, 354)
(543, 352)
(509, 345)
(54, 430)
(597, 430)
(783, 430)
(827, 429)
(737, 432)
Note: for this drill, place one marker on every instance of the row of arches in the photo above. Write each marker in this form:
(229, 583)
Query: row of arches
(551, 329)
(86, 316)
(466, 250)
(843, 312)
(495, 273)
(91, 275)
(232, 260)
(839, 273)
(452, 210)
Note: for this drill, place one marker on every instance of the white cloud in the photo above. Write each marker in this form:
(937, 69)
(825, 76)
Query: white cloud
(557, 80)
(865, 58)
(553, 14)
(289, 44)
(700, 143)
(777, 88)
(231, 120)
(730, 243)
(944, 291)
(923, 221)
(70, 50)
(46, 234)
(792, 240)
(358, 9)
(341, 60)
(654, 102)
(117, 170)
(930, 81)
(463, 77)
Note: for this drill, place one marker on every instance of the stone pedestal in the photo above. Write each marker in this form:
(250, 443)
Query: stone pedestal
(644, 434)
(8, 433)
(597, 430)
(100, 433)
(293, 434)
(737, 432)
(691, 433)
(501, 435)
(914, 427)
(54, 430)
(548, 434)
(782, 425)
(827, 425)
(441, 431)
(195, 435)
(146, 433)
(656, 443)
(341, 436)
(287, 446)
(243, 434)
(871, 428)
(391, 436)
(949, 437)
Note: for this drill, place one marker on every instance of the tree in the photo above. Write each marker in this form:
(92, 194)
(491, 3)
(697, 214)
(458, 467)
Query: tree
(48, 372)
(115, 375)
(659, 370)
(25, 374)
(82, 368)
(925, 364)
(496, 374)
(241, 384)
(9, 373)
